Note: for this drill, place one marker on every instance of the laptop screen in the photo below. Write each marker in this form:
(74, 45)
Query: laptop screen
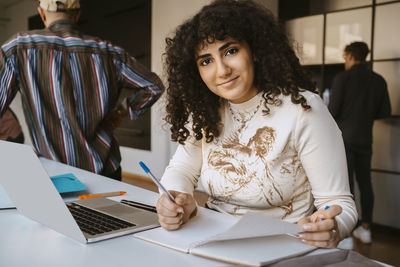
(31, 190)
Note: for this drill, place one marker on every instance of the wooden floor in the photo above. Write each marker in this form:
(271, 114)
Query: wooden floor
(385, 245)
(384, 248)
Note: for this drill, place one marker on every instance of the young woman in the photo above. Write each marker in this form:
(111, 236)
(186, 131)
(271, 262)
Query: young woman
(251, 127)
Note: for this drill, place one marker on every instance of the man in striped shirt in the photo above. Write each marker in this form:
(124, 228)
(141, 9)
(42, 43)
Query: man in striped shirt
(69, 85)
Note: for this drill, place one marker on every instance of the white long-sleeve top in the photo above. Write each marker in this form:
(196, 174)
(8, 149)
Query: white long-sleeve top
(282, 164)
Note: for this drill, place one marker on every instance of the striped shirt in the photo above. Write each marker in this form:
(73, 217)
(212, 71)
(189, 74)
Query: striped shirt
(69, 83)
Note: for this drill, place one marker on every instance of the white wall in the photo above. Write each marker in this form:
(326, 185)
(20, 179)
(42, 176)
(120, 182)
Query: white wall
(272, 5)
(2, 30)
(3, 21)
(18, 15)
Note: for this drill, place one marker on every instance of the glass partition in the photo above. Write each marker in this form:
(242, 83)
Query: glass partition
(386, 145)
(390, 70)
(343, 28)
(307, 35)
(387, 31)
(384, 1)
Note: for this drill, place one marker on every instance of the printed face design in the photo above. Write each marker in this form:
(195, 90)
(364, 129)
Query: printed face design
(227, 68)
(239, 172)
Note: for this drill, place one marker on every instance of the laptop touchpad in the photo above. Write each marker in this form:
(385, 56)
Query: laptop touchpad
(136, 216)
(118, 210)
(121, 211)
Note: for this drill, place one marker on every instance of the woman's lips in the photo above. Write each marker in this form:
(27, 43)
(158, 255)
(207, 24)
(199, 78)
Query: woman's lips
(228, 83)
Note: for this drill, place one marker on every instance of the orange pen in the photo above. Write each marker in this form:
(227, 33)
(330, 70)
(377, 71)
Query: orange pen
(109, 194)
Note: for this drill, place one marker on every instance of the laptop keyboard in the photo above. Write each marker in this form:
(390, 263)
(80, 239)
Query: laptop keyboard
(94, 222)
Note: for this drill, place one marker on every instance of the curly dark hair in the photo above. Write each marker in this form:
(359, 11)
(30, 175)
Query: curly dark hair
(276, 67)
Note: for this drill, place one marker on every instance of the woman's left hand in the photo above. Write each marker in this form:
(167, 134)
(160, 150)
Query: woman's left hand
(320, 228)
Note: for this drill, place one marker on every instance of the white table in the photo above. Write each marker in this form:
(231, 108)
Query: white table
(24, 242)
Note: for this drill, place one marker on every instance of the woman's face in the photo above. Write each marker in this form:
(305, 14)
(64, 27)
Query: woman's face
(227, 68)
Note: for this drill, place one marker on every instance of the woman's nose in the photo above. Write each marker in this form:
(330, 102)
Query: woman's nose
(223, 69)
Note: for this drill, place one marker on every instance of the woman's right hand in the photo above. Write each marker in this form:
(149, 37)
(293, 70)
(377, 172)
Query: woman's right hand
(172, 215)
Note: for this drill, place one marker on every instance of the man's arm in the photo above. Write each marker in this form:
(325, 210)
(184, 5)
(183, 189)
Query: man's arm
(115, 117)
(336, 97)
(8, 83)
(384, 110)
(146, 86)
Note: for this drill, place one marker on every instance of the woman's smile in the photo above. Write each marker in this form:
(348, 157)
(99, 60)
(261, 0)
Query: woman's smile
(228, 83)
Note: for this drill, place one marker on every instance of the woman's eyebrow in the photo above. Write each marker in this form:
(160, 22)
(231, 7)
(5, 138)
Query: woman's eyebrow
(227, 45)
(202, 56)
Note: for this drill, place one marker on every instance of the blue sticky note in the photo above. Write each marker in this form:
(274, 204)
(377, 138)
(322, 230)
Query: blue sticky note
(67, 183)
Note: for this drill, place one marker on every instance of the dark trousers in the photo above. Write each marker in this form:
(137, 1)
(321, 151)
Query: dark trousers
(359, 163)
(115, 175)
(19, 139)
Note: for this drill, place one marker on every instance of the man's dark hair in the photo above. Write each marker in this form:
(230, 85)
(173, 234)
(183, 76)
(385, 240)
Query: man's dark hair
(359, 50)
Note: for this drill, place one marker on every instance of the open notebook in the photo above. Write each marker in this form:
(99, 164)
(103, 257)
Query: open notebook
(254, 239)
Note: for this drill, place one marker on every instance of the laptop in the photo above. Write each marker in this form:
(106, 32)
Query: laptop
(34, 195)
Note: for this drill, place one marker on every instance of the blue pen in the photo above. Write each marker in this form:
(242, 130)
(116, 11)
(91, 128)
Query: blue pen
(155, 180)
(326, 207)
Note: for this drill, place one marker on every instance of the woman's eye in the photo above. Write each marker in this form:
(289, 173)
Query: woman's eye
(205, 62)
(231, 51)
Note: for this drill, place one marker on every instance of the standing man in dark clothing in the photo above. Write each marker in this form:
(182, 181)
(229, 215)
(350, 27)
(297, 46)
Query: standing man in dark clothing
(70, 84)
(358, 97)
